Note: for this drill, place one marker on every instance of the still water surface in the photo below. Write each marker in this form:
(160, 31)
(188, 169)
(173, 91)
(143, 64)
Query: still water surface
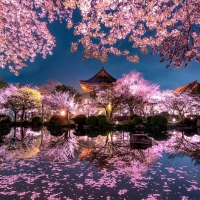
(37, 165)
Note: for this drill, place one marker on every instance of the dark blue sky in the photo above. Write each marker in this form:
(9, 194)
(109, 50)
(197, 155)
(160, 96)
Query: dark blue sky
(68, 68)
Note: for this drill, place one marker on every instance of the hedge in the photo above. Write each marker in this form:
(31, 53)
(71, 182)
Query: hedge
(159, 120)
(36, 119)
(92, 120)
(80, 119)
(5, 119)
(131, 117)
(104, 122)
(136, 121)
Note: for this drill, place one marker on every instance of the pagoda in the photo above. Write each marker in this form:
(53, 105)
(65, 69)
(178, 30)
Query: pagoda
(100, 81)
(190, 87)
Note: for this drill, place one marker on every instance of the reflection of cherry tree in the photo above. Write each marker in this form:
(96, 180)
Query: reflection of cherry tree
(61, 148)
(126, 170)
(115, 152)
(21, 143)
(184, 144)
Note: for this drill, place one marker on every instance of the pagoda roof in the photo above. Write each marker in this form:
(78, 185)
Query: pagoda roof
(187, 88)
(101, 76)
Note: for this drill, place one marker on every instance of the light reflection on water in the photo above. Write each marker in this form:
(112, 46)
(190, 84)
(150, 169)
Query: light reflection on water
(37, 165)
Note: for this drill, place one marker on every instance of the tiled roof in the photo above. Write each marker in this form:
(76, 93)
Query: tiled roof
(101, 76)
(187, 88)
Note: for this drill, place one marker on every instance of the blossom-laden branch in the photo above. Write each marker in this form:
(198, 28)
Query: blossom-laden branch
(169, 27)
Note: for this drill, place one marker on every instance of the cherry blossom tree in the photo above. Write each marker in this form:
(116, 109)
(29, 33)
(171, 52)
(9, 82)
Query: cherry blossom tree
(140, 94)
(180, 103)
(2, 83)
(60, 101)
(24, 32)
(87, 107)
(109, 100)
(24, 99)
(5, 93)
(168, 27)
(49, 87)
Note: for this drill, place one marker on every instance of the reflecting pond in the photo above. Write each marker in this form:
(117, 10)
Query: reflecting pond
(35, 164)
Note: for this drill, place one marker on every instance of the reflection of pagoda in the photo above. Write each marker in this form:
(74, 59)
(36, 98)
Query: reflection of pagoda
(101, 80)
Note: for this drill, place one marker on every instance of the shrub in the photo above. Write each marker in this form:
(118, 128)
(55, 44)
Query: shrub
(79, 119)
(92, 120)
(55, 132)
(5, 131)
(103, 132)
(136, 121)
(149, 118)
(126, 126)
(159, 120)
(56, 120)
(5, 119)
(101, 116)
(189, 122)
(119, 126)
(104, 122)
(133, 116)
(26, 123)
(91, 133)
(36, 119)
(36, 129)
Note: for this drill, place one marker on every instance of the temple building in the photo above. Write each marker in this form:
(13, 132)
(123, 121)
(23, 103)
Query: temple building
(190, 87)
(100, 81)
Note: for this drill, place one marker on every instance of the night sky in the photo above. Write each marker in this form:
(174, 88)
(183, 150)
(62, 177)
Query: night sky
(68, 68)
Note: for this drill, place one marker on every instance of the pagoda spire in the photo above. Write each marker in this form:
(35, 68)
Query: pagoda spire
(99, 81)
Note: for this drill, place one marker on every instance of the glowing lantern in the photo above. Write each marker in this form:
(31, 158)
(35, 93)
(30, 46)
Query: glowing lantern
(109, 106)
(62, 113)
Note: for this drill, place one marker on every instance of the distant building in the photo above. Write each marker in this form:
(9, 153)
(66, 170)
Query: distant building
(100, 81)
(190, 87)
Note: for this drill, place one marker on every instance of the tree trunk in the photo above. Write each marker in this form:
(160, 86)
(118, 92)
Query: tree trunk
(68, 117)
(42, 112)
(23, 115)
(22, 132)
(182, 117)
(88, 113)
(107, 113)
(111, 113)
(15, 117)
(14, 135)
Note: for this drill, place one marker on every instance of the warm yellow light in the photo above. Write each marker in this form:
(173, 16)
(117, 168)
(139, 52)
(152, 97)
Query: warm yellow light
(62, 113)
(109, 106)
